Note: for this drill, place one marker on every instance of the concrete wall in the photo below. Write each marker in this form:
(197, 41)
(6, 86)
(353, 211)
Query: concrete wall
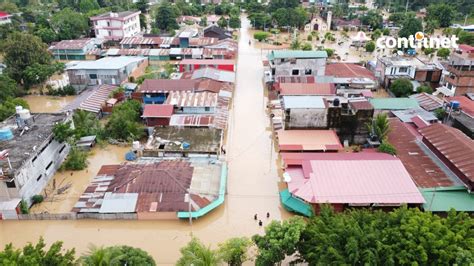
(317, 66)
(306, 118)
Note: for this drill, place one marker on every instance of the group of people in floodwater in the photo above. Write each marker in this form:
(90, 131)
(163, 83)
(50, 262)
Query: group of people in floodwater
(260, 223)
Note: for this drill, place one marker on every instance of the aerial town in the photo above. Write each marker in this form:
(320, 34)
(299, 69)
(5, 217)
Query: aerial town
(254, 132)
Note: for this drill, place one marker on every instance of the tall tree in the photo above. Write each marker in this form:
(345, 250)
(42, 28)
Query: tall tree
(410, 26)
(234, 250)
(165, 17)
(116, 255)
(196, 253)
(8, 88)
(372, 19)
(37, 254)
(69, 24)
(22, 50)
(280, 240)
(443, 13)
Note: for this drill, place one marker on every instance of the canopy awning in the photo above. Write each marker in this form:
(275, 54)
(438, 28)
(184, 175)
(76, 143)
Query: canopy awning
(294, 204)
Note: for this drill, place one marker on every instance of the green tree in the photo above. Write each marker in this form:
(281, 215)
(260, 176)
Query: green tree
(142, 5)
(38, 73)
(116, 255)
(47, 35)
(86, 124)
(195, 253)
(69, 24)
(443, 53)
(398, 18)
(76, 159)
(261, 35)
(386, 147)
(431, 26)
(372, 19)
(21, 50)
(86, 6)
(379, 126)
(370, 46)
(376, 34)
(280, 240)
(410, 26)
(124, 121)
(63, 131)
(222, 22)
(443, 13)
(165, 17)
(281, 17)
(329, 51)
(9, 7)
(38, 254)
(428, 51)
(306, 47)
(234, 250)
(8, 88)
(295, 45)
(402, 87)
(424, 88)
(260, 20)
(7, 107)
(234, 22)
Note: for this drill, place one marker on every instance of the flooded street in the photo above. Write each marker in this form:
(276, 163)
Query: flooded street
(252, 186)
(47, 104)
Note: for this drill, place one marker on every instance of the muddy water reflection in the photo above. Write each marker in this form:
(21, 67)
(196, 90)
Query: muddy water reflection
(252, 187)
(47, 104)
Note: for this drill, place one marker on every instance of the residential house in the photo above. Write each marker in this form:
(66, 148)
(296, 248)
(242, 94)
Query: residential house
(196, 103)
(427, 101)
(443, 199)
(5, 18)
(390, 104)
(114, 26)
(304, 112)
(184, 40)
(214, 31)
(297, 63)
(107, 70)
(347, 180)
(347, 76)
(30, 155)
(187, 65)
(210, 73)
(462, 116)
(389, 69)
(453, 148)
(461, 71)
(70, 50)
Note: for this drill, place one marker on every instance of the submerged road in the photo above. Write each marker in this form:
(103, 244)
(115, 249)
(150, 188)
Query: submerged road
(252, 186)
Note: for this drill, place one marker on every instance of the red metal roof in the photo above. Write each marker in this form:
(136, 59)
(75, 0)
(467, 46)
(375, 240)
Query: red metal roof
(467, 105)
(4, 14)
(361, 105)
(422, 169)
(192, 120)
(347, 70)
(307, 89)
(158, 110)
(466, 48)
(454, 145)
(192, 99)
(427, 101)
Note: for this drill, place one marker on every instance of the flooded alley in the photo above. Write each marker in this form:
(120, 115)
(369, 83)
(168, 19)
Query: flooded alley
(252, 186)
(47, 104)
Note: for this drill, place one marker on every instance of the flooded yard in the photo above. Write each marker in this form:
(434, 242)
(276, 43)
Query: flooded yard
(252, 186)
(47, 104)
(65, 187)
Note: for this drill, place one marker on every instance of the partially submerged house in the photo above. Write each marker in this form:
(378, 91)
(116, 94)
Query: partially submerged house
(187, 65)
(304, 112)
(214, 31)
(348, 180)
(297, 63)
(30, 155)
(348, 76)
(108, 70)
(79, 49)
(157, 114)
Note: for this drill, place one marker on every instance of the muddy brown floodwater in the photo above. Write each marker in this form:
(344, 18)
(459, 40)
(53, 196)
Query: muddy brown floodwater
(252, 187)
(47, 104)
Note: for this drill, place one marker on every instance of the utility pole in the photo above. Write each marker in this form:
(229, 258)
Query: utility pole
(406, 8)
(465, 20)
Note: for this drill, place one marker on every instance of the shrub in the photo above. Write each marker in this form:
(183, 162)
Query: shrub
(329, 51)
(424, 88)
(261, 36)
(429, 51)
(443, 53)
(24, 207)
(37, 199)
(306, 47)
(370, 47)
(402, 87)
(440, 113)
(309, 38)
(76, 160)
(67, 90)
(386, 147)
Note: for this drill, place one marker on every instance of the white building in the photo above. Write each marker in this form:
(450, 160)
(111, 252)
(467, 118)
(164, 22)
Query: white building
(115, 26)
(5, 18)
(30, 155)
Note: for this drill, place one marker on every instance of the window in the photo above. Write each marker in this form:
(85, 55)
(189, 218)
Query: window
(93, 76)
(295, 72)
(49, 165)
(11, 184)
(207, 109)
(308, 71)
(39, 177)
(403, 70)
(34, 159)
(62, 148)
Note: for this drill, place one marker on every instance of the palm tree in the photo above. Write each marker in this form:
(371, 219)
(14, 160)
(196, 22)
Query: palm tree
(379, 126)
(100, 256)
(196, 254)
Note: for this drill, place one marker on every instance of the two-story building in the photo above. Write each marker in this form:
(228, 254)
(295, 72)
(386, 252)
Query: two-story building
(114, 26)
(297, 63)
(30, 154)
(461, 71)
(80, 49)
(389, 69)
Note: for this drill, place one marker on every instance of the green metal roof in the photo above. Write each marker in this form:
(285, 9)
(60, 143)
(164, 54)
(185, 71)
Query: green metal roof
(442, 199)
(394, 103)
(279, 54)
(294, 204)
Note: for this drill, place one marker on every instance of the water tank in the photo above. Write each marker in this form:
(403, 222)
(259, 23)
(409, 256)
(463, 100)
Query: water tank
(18, 108)
(24, 114)
(136, 145)
(336, 102)
(6, 134)
(455, 104)
(186, 145)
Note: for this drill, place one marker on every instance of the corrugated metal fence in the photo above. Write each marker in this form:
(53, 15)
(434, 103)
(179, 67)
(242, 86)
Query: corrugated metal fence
(74, 216)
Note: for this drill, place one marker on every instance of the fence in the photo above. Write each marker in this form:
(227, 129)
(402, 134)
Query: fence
(47, 216)
(74, 216)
